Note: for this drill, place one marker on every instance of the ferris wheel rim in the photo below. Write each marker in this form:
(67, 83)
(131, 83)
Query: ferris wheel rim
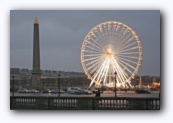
(119, 24)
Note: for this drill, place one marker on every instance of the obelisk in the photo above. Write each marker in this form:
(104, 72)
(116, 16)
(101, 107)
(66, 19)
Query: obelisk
(36, 72)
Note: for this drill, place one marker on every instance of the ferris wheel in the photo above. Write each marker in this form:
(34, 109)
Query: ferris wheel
(108, 48)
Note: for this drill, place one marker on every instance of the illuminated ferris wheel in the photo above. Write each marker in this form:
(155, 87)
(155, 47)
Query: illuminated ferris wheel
(111, 46)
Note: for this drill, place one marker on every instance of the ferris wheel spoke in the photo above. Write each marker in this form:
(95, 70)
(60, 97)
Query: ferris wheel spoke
(117, 28)
(106, 72)
(95, 66)
(121, 32)
(97, 73)
(128, 60)
(128, 44)
(100, 39)
(125, 31)
(104, 39)
(100, 33)
(127, 64)
(104, 75)
(115, 68)
(118, 72)
(133, 48)
(105, 32)
(122, 40)
(131, 57)
(93, 48)
(102, 72)
(93, 55)
(125, 68)
(89, 59)
(103, 42)
(92, 62)
(129, 53)
(109, 30)
(97, 42)
(104, 35)
(121, 36)
(119, 69)
(89, 51)
(121, 73)
(118, 42)
(109, 34)
(103, 67)
(117, 34)
(115, 38)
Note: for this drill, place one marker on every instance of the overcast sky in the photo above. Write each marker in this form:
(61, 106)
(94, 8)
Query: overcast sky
(62, 34)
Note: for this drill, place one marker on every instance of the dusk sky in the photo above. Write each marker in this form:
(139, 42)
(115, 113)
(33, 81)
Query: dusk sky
(62, 34)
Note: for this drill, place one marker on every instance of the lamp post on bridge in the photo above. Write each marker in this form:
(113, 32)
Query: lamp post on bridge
(115, 84)
(59, 84)
(13, 85)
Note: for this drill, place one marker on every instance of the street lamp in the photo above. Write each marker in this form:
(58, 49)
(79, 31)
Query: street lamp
(115, 84)
(43, 82)
(59, 84)
(13, 85)
(71, 83)
(65, 84)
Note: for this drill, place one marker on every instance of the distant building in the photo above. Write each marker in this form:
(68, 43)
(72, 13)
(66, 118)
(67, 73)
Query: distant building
(48, 78)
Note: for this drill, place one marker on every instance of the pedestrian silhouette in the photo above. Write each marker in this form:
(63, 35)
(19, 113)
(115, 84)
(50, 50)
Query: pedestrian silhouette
(98, 93)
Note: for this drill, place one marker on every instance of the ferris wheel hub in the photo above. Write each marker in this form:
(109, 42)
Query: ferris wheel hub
(108, 52)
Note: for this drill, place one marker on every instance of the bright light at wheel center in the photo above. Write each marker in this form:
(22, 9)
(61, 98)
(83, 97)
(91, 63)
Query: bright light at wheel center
(108, 52)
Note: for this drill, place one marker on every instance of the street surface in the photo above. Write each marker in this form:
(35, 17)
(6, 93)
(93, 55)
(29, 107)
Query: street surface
(104, 94)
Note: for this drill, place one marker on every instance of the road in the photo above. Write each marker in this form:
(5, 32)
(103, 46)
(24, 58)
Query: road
(104, 94)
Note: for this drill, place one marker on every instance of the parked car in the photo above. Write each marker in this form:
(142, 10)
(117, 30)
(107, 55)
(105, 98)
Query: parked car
(83, 91)
(101, 90)
(57, 91)
(65, 90)
(142, 90)
(33, 91)
(23, 90)
(72, 90)
(46, 91)
(92, 90)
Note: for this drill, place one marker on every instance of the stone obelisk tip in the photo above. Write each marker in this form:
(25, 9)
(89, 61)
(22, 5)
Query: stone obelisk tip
(36, 21)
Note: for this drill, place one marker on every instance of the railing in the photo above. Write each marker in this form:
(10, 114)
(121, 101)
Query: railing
(83, 103)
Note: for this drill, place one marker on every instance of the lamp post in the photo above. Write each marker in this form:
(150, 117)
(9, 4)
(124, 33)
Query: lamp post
(43, 84)
(64, 83)
(59, 84)
(71, 83)
(13, 85)
(115, 84)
